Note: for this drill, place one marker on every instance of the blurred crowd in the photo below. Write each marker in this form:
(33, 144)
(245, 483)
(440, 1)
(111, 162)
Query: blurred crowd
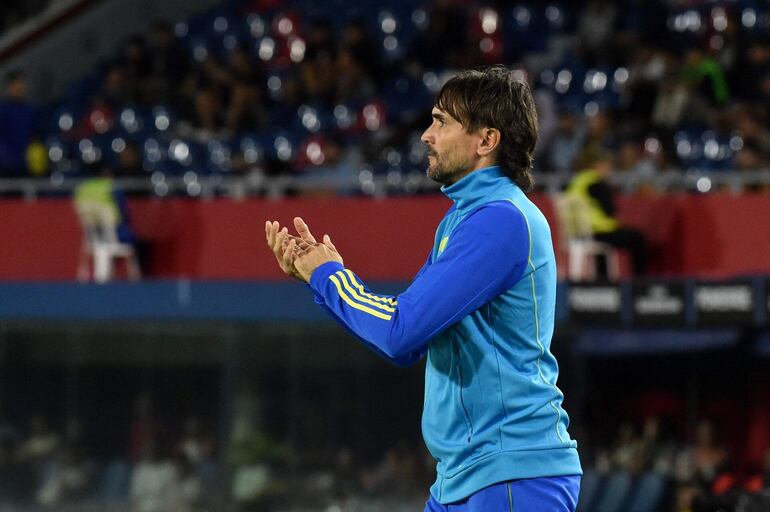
(177, 466)
(161, 467)
(648, 466)
(343, 91)
(651, 466)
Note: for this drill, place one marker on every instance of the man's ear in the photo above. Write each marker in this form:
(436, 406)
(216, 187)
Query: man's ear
(490, 141)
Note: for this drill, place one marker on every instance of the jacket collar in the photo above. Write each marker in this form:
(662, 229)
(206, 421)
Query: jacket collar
(479, 187)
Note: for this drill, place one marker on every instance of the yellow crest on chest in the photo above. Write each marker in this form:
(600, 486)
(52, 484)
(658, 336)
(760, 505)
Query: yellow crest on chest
(442, 244)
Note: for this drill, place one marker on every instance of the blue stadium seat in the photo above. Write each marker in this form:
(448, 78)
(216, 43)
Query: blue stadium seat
(114, 482)
(615, 493)
(648, 494)
(253, 148)
(590, 486)
(283, 146)
(61, 152)
(219, 154)
(406, 98)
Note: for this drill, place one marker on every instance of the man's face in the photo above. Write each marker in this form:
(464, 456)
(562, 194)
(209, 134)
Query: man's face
(451, 150)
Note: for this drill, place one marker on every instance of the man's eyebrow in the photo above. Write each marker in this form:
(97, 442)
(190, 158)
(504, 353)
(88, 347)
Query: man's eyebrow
(438, 115)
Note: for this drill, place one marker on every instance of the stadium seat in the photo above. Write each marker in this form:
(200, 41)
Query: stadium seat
(114, 482)
(406, 98)
(101, 246)
(615, 494)
(590, 486)
(648, 493)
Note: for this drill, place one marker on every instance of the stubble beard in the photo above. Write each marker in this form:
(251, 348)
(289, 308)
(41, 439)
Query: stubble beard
(444, 172)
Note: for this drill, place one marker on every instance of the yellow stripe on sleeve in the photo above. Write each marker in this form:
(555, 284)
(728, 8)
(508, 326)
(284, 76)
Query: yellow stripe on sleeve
(354, 304)
(358, 297)
(361, 290)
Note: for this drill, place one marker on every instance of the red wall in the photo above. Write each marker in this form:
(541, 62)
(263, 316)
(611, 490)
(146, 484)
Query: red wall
(710, 235)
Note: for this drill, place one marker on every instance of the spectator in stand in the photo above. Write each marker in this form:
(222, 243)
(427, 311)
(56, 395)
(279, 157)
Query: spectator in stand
(595, 27)
(601, 133)
(547, 120)
(627, 455)
(752, 130)
(357, 40)
(196, 445)
(71, 472)
(657, 451)
(322, 43)
(753, 63)
(102, 189)
(114, 87)
(670, 104)
(137, 68)
(154, 482)
(353, 84)
(591, 185)
(168, 64)
(245, 93)
(98, 119)
(701, 460)
(16, 125)
(396, 474)
(630, 158)
(317, 77)
(704, 73)
(709, 456)
(36, 452)
(146, 430)
(442, 44)
(566, 143)
(129, 163)
(646, 69)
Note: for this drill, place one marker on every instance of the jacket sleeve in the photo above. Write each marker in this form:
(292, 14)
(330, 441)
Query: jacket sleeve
(403, 361)
(487, 254)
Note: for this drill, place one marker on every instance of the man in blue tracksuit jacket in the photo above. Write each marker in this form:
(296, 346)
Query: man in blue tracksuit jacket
(481, 308)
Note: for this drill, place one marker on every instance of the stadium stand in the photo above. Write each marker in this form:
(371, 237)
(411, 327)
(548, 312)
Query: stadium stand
(291, 88)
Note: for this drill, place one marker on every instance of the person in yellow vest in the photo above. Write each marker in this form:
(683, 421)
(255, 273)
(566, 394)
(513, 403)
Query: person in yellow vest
(102, 189)
(591, 185)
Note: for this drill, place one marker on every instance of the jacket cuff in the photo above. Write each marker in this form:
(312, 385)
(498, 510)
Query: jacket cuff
(321, 275)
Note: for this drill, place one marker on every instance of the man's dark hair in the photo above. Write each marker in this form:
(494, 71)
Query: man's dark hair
(493, 97)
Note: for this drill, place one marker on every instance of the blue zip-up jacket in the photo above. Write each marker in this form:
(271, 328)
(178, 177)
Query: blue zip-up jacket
(482, 307)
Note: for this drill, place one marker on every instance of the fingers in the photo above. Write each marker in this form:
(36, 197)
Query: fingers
(301, 244)
(279, 241)
(278, 238)
(288, 253)
(271, 232)
(329, 244)
(303, 230)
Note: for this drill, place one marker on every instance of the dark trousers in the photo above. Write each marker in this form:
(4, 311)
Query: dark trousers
(632, 241)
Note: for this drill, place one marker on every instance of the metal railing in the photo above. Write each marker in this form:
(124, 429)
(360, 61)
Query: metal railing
(365, 183)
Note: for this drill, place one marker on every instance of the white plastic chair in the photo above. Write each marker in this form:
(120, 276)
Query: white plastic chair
(582, 250)
(101, 246)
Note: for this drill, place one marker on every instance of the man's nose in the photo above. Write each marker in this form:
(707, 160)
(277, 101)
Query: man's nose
(426, 137)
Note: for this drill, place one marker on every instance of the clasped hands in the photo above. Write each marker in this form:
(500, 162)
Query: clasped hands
(299, 256)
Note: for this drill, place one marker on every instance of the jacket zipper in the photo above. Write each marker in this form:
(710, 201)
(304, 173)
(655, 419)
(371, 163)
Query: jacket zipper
(462, 403)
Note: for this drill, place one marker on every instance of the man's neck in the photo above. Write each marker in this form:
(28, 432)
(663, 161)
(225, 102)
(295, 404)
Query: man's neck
(482, 163)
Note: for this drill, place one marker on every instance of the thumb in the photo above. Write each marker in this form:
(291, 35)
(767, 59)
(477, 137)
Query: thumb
(328, 243)
(303, 230)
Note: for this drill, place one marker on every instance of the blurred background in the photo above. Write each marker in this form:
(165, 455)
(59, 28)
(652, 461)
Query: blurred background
(152, 356)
